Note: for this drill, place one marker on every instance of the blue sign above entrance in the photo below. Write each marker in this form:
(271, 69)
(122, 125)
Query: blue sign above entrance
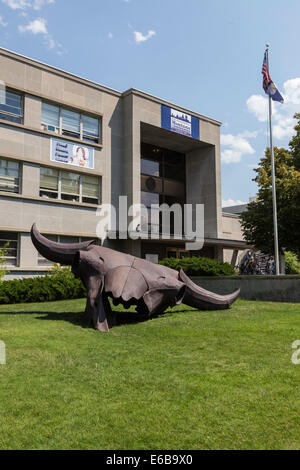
(182, 123)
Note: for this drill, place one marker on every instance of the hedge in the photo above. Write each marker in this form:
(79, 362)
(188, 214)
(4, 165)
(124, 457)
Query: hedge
(61, 286)
(199, 266)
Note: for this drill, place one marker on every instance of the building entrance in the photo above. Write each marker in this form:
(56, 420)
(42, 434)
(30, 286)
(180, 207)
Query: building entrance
(177, 253)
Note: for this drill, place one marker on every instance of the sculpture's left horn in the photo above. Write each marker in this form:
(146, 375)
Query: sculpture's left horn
(197, 297)
(57, 252)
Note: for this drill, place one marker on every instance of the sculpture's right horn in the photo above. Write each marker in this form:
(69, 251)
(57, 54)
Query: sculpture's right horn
(57, 252)
(202, 299)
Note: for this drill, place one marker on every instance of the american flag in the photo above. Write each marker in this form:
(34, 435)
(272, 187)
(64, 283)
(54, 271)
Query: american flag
(269, 87)
(265, 72)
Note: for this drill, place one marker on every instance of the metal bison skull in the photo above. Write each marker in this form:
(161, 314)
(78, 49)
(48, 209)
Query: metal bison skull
(128, 280)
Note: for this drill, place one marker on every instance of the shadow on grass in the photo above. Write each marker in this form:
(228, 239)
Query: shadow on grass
(122, 317)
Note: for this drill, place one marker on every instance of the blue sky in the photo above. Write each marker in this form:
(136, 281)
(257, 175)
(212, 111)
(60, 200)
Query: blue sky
(205, 56)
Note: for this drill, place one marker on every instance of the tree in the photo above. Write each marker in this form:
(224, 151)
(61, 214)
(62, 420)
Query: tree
(295, 144)
(257, 221)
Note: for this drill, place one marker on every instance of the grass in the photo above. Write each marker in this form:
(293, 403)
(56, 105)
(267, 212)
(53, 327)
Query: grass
(186, 380)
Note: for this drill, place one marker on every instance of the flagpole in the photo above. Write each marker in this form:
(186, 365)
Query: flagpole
(276, 248)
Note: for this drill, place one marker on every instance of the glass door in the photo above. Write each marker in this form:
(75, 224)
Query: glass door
(177, 253)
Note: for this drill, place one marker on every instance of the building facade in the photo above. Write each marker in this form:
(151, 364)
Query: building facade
(69, 147)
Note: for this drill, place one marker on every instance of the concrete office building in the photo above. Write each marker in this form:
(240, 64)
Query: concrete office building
(68, 145)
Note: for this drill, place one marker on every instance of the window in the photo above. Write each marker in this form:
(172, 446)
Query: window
(149, 167)
(10, 241)
(69, 123)
(49, 183)
(50, 116)
(67, 186)
(162, 182)
(90, 189)
(9, 176)
(70, 186)
(61, 239)
(90, 128)
(11, 106)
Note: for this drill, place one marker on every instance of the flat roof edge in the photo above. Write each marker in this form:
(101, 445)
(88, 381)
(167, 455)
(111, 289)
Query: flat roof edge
(52, 68)
(231, 214)
(143, 94)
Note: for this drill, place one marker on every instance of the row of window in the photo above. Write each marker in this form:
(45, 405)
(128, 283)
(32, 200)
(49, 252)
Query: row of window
(59, 184)
(65, 122)
(54, 184)
(162, 163)
(56, 119)
(162, 182)
(10, 242)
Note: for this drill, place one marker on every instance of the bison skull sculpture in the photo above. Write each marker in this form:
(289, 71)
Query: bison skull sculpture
(128, 280)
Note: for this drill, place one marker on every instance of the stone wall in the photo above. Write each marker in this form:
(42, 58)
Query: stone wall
(268, 288)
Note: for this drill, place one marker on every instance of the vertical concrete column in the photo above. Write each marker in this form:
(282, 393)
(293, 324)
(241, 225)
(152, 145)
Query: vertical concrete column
(113, 147)
(30, 179)
(132, 148)
(210, 133)
(234, 258)
(201, 186)
(132, 164)
(32, 111)
(28, 255)
(219, 253)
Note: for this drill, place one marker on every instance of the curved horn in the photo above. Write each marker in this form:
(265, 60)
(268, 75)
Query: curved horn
(203, 299)
(57, 252)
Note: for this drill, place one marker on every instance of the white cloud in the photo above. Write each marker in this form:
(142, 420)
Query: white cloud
(292, 91)
(258, 105)
(232, 202)
(37, 26)
(249, 134)
(23, 4)
(231, 156)
(17, 4)
(38, 4)
(284, 127)
(238, 146)
(110, 35)
(283, 121)
(140, 37)
(2, 22)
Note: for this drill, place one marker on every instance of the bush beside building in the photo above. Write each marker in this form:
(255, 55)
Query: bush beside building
(199, 266)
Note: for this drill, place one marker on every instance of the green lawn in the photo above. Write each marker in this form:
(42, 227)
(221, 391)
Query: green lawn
(186, 380)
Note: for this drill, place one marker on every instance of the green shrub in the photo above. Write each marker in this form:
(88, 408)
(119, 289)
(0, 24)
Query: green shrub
(199, 266)
(61, 285)
(292, 264)
(59, 269)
